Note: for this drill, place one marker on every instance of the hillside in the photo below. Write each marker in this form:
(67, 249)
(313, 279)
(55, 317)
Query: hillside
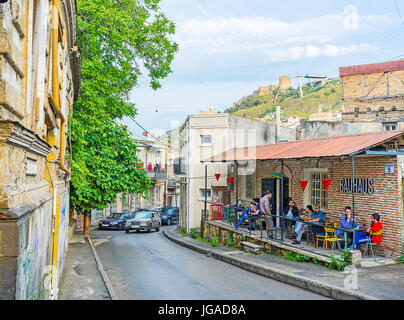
(328, 95)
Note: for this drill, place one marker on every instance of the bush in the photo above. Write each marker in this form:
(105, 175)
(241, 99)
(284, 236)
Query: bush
(327, 93)
(333, 90)
(342, 262)
(192, 233)
(184, 232)
(214, 242)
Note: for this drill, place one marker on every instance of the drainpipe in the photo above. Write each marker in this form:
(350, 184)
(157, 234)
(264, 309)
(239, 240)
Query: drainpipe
(353, 189)
(55, 83)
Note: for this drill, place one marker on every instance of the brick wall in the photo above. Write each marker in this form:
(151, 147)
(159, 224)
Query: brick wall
(385, 201)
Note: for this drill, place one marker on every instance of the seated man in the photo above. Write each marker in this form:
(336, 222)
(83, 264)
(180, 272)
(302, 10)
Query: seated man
(239, 208)
(346, 222)
(244, 215)
(315, 216)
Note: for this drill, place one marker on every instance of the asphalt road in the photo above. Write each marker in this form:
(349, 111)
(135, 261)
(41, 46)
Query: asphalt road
(149, 266)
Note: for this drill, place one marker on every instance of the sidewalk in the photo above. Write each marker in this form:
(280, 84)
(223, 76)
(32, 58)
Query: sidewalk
(81, 278)
(384, 282)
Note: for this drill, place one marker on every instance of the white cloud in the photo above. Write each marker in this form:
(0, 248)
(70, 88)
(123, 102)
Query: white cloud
(306, 38)
(312, 51)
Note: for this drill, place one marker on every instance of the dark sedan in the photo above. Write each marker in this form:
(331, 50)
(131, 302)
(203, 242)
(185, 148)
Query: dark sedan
(115, 221)
(170, 216)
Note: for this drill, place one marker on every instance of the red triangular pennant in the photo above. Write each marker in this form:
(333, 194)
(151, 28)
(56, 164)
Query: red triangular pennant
(326, 183)
(217, 175)
(303, 183)
(231, 180)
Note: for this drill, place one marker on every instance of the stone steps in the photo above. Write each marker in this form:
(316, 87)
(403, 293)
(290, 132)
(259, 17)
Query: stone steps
(251, 247)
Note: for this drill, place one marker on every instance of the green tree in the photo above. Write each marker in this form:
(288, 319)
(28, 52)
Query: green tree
(119, 40)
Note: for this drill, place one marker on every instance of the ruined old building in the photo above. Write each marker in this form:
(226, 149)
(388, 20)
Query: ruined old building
(373, 92)
(39, 80)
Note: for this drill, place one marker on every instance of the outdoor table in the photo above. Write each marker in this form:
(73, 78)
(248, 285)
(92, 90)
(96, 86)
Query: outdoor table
(359, 235)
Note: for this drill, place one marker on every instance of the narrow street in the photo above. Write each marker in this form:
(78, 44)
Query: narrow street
(149, 266)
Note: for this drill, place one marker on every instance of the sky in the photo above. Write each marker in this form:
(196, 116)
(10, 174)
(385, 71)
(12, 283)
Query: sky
(228, 48)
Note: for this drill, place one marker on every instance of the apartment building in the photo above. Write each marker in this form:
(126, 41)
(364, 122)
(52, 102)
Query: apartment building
(204, 135)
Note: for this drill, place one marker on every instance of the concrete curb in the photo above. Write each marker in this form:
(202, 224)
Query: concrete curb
(104, 275)
(315, 286)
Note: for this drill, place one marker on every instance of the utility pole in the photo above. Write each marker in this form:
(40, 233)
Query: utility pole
(300, 84)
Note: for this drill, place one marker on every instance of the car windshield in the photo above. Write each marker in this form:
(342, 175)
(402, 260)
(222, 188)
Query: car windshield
(115, 215)
(172, 210)
(146, 215)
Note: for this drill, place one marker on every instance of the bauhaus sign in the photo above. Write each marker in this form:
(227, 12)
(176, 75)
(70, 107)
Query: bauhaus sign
(361, 185)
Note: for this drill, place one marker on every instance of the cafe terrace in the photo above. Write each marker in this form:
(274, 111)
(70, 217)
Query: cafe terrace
(364, 171)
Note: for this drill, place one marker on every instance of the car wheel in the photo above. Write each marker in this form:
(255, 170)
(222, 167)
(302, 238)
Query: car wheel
(158, 228)
(127, 230)
(168, 222)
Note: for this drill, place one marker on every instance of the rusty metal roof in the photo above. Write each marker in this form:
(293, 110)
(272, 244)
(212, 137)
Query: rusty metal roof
(372, 68)
(335, 146)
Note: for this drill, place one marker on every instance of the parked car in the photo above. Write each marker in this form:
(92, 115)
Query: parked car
(170, 216)
(162, 210)
(143, 220)
(115, 221)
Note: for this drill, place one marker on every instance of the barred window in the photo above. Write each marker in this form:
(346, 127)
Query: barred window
(319, 195)
(250, 186)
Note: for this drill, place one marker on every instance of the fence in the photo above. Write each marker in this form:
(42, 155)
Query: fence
(229, 215)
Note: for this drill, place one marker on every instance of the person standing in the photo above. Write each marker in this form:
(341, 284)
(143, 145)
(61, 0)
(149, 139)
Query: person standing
(266, 207)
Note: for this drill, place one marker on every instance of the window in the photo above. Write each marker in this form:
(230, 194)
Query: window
(206, 140)
(158, 157)
(319, 195)
(202, 194)
(248, 182)
(389, 126)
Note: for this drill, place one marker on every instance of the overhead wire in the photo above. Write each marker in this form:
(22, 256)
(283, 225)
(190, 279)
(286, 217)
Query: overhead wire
(154, 137)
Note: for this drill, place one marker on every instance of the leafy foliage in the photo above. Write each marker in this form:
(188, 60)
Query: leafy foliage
(229, 241)
(193, 233)
(118, 40)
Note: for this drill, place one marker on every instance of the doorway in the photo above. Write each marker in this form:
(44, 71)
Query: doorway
(272, 185)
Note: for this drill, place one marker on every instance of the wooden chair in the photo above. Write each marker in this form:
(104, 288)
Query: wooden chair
(322, 236)
(329, 237)
(371, 244)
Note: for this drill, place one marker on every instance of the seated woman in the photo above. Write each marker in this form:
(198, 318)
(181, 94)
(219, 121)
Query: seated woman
(346, 222)
(292, 212)
(301, 227)
(255, 213)
(375, 230)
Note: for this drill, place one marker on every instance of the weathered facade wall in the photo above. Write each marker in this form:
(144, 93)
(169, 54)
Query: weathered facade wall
(38, 83)
(316, 129)
(373, 96)
(387, 198)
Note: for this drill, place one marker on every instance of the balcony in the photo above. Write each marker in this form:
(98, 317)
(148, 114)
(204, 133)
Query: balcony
(156, 172)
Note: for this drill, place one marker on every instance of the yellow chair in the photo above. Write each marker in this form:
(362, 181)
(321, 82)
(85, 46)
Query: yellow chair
(329, 237)
(322, 237)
